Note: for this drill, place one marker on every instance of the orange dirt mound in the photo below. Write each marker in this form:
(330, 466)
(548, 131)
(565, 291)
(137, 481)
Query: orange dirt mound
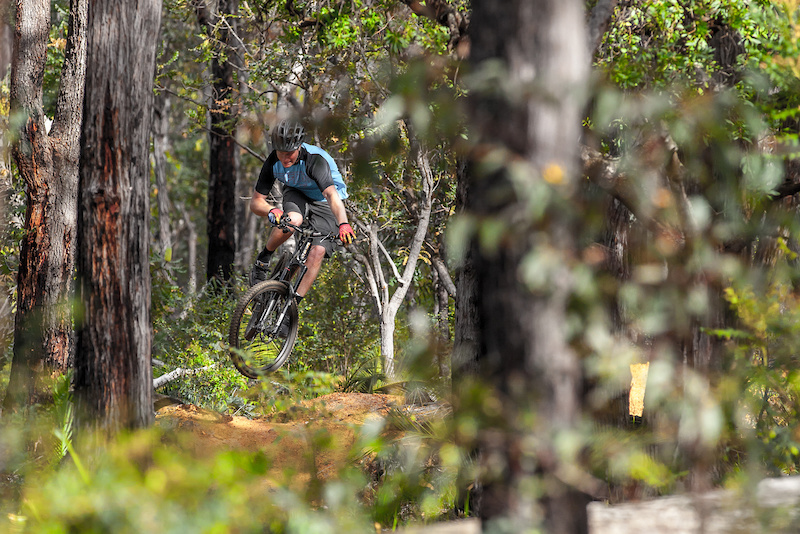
(315, 436)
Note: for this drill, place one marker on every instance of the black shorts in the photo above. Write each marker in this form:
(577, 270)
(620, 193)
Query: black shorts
(318, 214)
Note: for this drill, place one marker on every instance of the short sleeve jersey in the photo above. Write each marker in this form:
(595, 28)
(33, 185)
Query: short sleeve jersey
(313, 172)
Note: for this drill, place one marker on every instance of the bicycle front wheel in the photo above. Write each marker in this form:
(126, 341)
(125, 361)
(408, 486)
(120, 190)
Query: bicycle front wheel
(263, 329)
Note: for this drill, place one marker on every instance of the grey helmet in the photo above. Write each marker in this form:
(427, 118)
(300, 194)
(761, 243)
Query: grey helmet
(288, 135)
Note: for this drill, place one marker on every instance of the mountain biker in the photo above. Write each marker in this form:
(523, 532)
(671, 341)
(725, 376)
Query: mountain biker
(313, 188)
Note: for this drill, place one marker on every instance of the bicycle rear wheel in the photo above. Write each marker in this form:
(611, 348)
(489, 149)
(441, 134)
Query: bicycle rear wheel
(256, 344)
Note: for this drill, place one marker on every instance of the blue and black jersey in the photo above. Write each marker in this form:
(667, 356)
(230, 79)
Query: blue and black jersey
(313, 172)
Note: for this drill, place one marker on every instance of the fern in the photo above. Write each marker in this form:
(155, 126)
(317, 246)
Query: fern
(64, 415)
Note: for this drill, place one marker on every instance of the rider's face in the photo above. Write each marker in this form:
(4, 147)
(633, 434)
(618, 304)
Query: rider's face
(288, 159)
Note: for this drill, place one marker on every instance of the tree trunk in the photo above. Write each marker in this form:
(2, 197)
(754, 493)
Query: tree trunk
(467, 335)
(533, 375)
(442, 328)
(113, 376)
(387, 345)
(6, 37)
(191, 243)
(48, 163)
(249, 225)
(160, 145)
(223, 150)
(423, 214)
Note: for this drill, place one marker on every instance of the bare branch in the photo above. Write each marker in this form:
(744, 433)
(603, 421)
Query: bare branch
(177, 373)
(371, 281)
(444, 275)
(389, 259)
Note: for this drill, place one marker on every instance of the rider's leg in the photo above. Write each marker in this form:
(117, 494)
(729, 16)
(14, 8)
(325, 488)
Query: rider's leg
(260, 269)
(322, 220)
(313, 264)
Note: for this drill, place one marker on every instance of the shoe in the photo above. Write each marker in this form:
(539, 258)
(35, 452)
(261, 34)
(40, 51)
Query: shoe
(259, 272)
(283, 330)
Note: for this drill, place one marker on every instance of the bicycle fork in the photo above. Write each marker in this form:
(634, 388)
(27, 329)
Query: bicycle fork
(267, 310)
(301, 269)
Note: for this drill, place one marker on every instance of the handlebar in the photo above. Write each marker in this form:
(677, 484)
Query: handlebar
(286, 225)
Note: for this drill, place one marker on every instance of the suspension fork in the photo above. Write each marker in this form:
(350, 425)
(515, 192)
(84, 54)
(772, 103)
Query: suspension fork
(299, 266)
(269, 305)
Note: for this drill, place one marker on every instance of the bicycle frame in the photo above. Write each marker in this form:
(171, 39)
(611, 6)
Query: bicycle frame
(295, 267)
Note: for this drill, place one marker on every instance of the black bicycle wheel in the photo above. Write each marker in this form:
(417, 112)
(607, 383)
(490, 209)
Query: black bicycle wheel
(257, 344)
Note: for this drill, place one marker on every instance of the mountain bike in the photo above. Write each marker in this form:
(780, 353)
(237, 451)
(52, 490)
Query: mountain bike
(264, 324)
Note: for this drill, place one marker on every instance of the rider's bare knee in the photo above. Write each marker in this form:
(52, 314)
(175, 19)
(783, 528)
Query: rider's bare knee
(317, 253)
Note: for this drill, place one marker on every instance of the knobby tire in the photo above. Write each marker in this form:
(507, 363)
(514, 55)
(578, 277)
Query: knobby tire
(256, 349)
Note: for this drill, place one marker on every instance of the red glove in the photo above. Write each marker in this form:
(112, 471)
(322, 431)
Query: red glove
(275, 215)
(346, 233)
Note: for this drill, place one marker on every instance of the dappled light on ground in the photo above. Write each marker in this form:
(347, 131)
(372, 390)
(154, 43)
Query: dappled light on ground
(321, 431)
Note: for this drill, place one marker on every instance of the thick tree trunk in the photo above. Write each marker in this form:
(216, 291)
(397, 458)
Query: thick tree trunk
(48, 162)
(224, 153)
(533, 375)
(113, 377)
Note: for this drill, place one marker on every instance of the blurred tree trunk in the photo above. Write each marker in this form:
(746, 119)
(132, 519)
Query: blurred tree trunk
(249, 224)
(467, 332)
(113, 376)
(48, 163)
(532, 57)
(6, 37)
(223, 150)
(191, 243)
(160, 145)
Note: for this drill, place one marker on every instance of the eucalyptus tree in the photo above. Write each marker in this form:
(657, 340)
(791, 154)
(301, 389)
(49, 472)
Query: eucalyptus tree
(47, 160)
(388, 299)
(113, 375)
(220, 22)
(529, 76)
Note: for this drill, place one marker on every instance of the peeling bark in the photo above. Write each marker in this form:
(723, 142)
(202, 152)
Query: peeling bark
(113, 375)
(48, 163)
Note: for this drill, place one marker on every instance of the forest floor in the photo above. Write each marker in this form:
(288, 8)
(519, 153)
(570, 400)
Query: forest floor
(288, 438)
(291, 439)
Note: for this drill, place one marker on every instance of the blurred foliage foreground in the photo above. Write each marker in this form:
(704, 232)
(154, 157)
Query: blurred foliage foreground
(399, 470)
(154, 481)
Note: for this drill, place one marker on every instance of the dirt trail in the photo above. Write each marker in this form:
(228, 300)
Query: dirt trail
(293, 439)
(287, 438)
